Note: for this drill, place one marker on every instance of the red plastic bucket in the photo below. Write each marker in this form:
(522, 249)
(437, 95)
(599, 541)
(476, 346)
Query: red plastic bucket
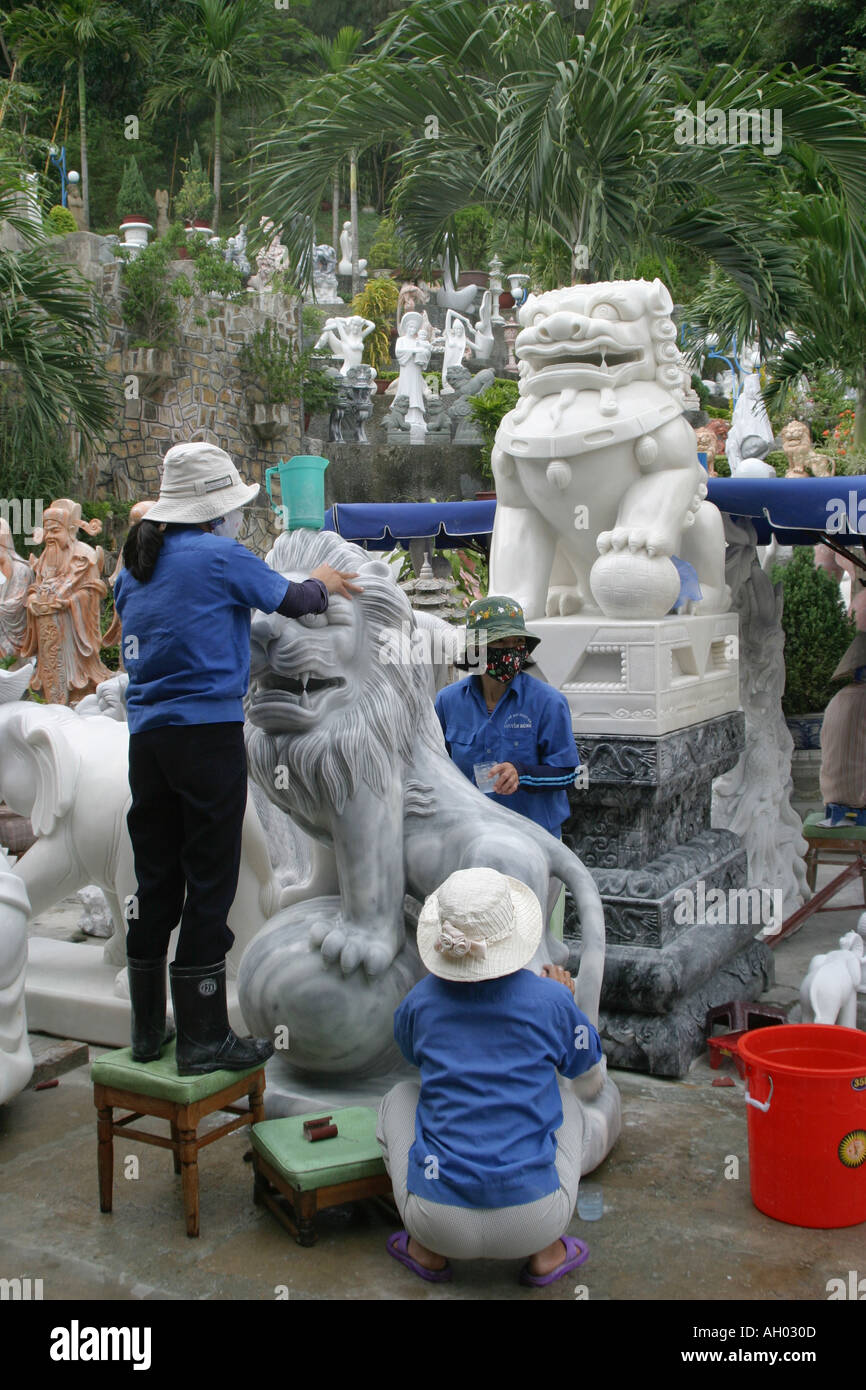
(806, 1094)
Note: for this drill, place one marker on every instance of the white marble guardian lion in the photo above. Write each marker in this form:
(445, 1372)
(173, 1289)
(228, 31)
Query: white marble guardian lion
(345, 739)
(598, 481)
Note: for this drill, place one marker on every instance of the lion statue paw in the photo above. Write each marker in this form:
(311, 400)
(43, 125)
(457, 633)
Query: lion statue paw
(354, 947)
(563, 600)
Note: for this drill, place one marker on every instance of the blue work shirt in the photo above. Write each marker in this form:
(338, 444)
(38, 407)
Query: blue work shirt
(186, 632)
(530, 725)
(488, 1052)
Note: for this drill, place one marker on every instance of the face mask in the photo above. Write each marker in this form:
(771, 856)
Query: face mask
(230, 524)
(504, 663)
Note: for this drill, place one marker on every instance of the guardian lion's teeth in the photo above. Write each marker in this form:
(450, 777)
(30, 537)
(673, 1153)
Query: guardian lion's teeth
(305, 699)
(304, 678)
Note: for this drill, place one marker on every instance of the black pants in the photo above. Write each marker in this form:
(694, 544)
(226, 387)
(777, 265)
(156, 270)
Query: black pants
(189, 794)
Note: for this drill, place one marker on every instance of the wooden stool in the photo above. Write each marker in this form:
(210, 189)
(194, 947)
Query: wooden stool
(827, 845)
(313, 1176)
(154, 1088)
(741, 1016)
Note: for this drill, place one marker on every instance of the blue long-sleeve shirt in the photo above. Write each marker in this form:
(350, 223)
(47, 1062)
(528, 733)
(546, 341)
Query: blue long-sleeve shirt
(186, 632)
(529, 727)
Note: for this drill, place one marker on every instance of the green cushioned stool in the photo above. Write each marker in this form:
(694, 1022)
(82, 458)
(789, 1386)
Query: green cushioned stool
(154, 1088)
(836, 844)
(312, 1176)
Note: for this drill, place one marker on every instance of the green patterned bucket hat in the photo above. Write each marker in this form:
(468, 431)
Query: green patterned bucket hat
(497, 616)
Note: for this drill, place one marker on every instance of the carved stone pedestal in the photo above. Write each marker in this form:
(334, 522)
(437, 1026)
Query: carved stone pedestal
(680, 926)
(648, 676)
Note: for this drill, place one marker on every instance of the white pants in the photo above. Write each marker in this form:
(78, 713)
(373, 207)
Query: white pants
(471, 1233)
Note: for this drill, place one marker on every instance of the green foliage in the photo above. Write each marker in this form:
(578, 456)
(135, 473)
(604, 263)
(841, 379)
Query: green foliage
(195, 200)
(488, 409)
(377, 301)
(718, 412)
(60, 221)
(473, 226)
(320, 391)
(825, 402)
(213, 273)
(817, 633)
(387, 250)
(149, 298)
(549, 262)
(284, 374)
(778, 459)
(721, 465)
(51, 335)
(700, 390)
(133, 200)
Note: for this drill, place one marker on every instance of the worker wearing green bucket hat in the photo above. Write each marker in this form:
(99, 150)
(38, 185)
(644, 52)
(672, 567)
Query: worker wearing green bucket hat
(507, 731)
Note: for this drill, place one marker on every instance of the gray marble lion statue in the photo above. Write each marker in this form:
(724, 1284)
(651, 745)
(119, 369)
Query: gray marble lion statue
(345, 739)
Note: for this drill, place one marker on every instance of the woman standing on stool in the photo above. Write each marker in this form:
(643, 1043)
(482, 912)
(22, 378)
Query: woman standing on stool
(184, 600)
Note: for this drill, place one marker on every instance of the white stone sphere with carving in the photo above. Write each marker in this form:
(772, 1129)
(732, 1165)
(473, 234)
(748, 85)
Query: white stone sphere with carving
(626, 585)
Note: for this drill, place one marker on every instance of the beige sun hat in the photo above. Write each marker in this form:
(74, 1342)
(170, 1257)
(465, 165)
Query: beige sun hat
(854, 657)
(478, 925)
(199, 483)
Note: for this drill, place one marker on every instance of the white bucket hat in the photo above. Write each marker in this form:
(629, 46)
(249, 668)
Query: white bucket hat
(478, 925)
(199, 483)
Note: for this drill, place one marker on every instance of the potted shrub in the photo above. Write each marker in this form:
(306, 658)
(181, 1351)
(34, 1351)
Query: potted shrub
(386, 253)
(473, 226)
(377, 302)
(488, 408)
(194, 202)
(135, 207)
(383, 381)
(817, 634)
(60, 221)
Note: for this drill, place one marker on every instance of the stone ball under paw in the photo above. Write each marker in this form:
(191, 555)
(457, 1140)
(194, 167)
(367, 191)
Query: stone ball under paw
(337, 1024)
(628, 585)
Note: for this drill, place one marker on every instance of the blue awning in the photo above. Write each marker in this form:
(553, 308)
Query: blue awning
(383, 524)
(800, 511)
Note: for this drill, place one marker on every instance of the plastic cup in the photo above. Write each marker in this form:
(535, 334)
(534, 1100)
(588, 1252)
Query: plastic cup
(483, 780)
(590, 1202)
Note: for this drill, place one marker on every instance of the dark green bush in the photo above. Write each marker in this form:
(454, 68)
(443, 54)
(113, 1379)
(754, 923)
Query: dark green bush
(817, 633)
(60, 221)
(488, 409)
(133, 199)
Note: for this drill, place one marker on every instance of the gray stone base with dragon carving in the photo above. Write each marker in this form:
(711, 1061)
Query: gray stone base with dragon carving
(642, 825)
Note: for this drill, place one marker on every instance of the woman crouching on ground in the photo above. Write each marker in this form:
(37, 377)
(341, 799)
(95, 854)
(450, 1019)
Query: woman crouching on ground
(485, 1154)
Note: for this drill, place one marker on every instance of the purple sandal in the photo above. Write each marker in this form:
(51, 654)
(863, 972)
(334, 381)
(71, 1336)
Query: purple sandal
(576, 1254)
(398, 1248)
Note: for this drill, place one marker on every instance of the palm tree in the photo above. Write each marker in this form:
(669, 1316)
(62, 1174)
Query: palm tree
(51, 335)
(572, 134)
(336, 55)
(220, 47)
(69, 33)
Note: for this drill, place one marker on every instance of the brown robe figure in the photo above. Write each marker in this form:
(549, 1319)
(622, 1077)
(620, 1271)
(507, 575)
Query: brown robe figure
(63, 607)
(843, 734)
(13, 594)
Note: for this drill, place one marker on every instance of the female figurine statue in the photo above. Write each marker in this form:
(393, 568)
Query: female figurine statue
(455, 345)
(345, 339)
(17, 577)
(345, 266)
(413, 354)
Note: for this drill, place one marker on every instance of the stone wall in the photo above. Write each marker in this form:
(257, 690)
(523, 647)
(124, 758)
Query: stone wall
(195, 389)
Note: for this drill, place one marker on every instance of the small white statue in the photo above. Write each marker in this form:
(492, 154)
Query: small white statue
(235, 252)
(344, 338)
(345, 266)
(828, 993)
(456, 346)
(450, 297)
(413, 354)
(272, 258)
(483, 342)
(750, 419)
(324, 288)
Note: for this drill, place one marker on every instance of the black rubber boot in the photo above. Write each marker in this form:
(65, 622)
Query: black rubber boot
(205, 1041)
(147, 997)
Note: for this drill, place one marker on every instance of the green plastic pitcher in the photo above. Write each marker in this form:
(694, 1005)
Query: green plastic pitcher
(302, 490)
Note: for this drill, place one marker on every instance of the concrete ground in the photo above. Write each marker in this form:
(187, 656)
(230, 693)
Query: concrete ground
(678, 1221)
